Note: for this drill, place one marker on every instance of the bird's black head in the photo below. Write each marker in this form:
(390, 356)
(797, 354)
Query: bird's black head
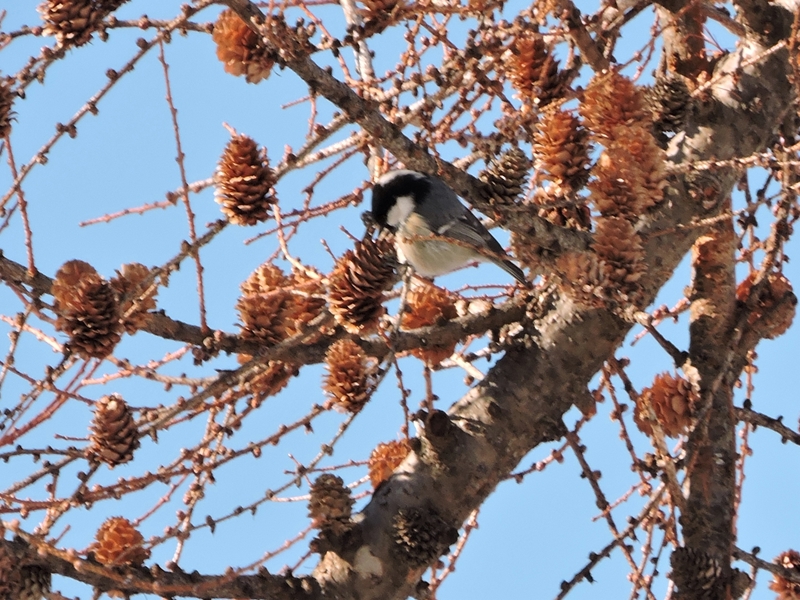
(394, 185)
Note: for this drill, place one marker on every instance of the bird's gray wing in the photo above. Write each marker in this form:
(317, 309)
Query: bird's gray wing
(454, 220)
(467, 228)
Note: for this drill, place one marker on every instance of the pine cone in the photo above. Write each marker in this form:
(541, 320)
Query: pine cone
(270, 380)
(563, 208)
(304, 304)
(350, 378)
(378, 13)
(71, 21)
(240, 49)
(611, 101)
(260, 315)
(621, 253)
(787, 590)
(114, 435)
(135, 308)
(87, 310)
(266, 298)
(263, 296)
(506, 176)
(534, 71)
(673, 401)
(740, 583)
(119, 543)
(696, 575)
(581, 277)
(274, 307)
(357, 285)
(430, 305)
(647, 156)
(7, 96)
(265, 278)
(764, 318)
(421, 536)
(618, 186)
(110, 5)
(244, 182)
(669, 102)
(561, 149)
(34, 583)
(385, 458)
(330, 505)
(9, 574)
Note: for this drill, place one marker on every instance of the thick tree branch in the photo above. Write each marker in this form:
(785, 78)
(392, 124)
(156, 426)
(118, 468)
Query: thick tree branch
(707, 520)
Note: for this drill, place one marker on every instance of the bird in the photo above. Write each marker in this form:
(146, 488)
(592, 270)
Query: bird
(434, 232)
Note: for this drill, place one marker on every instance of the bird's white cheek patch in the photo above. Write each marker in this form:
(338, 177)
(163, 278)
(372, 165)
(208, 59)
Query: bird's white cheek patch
(403, 206)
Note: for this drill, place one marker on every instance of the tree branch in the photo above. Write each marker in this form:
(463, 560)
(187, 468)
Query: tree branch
(775, 424)
(140, 580)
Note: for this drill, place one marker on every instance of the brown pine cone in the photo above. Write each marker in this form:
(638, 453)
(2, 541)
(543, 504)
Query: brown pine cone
(764, 318)
(534, 71)
(787, 590)
(696, 574)
(114, 435)
(271, 379)
(135, 308)
(670, 104)
(350, 378)
(240, 49)
(34, 583)
(87, 310)
(610, 101)
(561, 149)
(563, 207)
(71, 21)
(7, 96)
(119, 543)
(617, 188)
(673, 401)
(358, 283)
(621, 253)
(427, 305)
(274, 307)
(245, 182)
(330, 504)
(581, 278)
(385, 458)
(506, 176)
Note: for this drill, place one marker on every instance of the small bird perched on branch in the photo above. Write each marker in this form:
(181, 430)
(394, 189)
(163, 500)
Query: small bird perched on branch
(434, 232)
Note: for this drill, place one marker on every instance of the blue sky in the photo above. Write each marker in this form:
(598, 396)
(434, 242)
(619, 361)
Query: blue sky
(531, 536)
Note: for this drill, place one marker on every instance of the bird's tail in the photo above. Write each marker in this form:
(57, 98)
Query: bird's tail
(514, 270)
